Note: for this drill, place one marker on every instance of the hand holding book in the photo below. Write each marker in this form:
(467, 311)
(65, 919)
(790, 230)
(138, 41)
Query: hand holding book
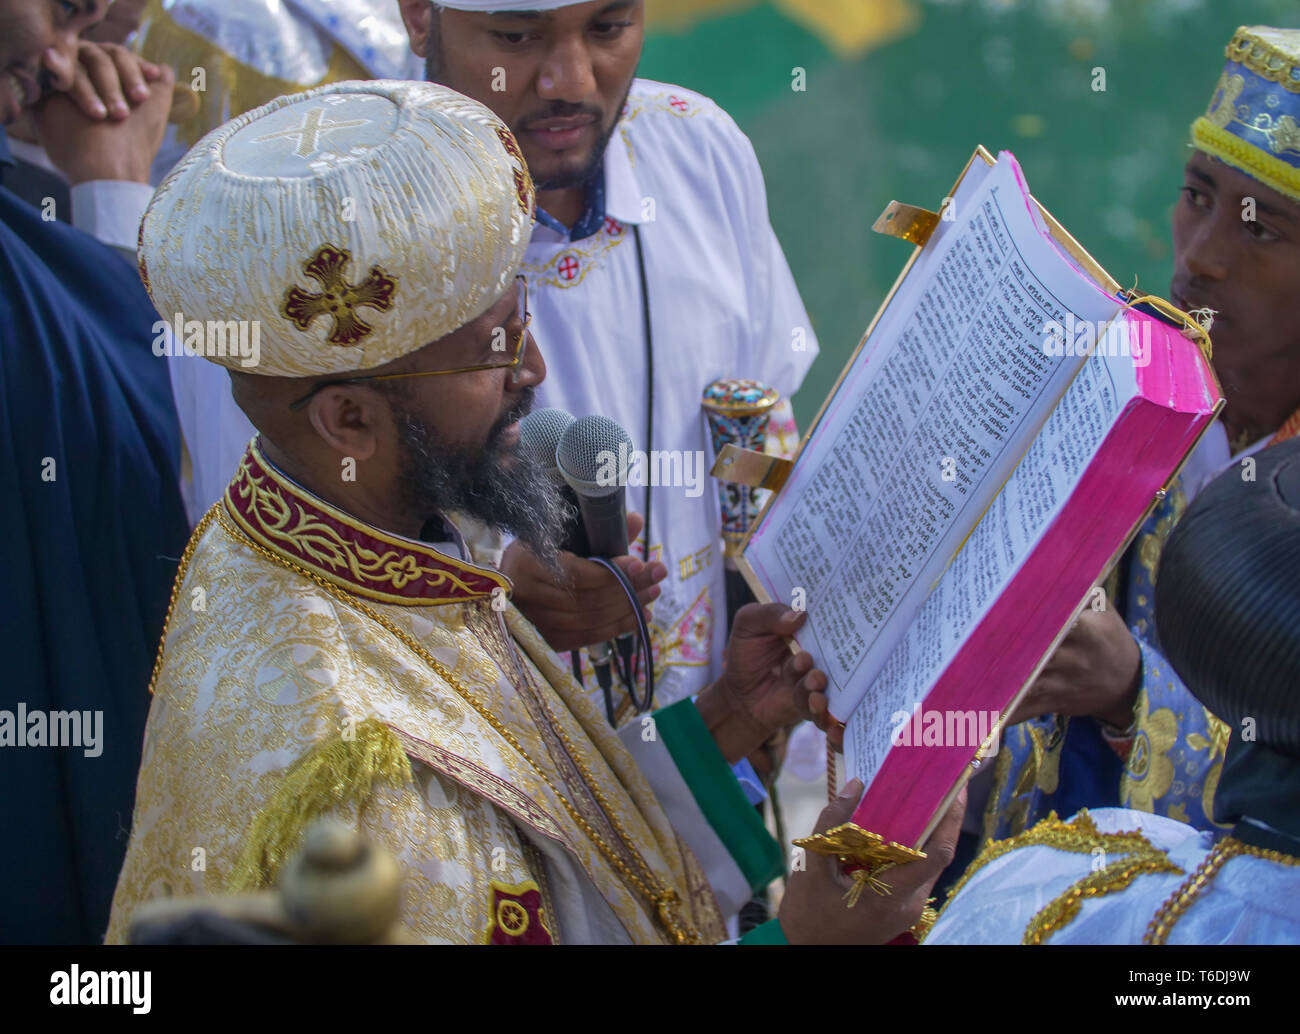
(1094, 672)
(1007, 422)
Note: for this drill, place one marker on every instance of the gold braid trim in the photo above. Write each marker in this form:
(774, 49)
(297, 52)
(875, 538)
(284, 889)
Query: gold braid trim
(181, 569)
(1181, 900)
(1117, 876)
(1080, 835)
(334, 772)
(922, 926)
(1264, 59)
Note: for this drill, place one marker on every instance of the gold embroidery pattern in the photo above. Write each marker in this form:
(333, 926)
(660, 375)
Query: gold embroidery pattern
(1114, 877)
(524, 191)
(1151, 544)
(664, 901)
(1040, 770)
(338, 299)
(1181, 900)
(217, 747)
(1149, 773)
(1264, 60)
(510, 912)
(1080, 835)
(509, 798)
(327, 542)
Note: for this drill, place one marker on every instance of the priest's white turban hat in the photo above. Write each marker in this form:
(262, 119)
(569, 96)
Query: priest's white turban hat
(507, 5)
(356, 223)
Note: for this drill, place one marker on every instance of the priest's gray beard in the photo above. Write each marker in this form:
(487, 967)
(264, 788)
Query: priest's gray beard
(500, 485)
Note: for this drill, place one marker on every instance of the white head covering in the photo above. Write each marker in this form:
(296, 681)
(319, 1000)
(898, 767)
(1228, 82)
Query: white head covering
(357, 223)
(507, 5)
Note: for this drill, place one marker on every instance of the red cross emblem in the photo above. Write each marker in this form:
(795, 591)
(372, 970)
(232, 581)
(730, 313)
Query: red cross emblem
(611, 227)
(339, 299)
(677, 103)
(568, 267)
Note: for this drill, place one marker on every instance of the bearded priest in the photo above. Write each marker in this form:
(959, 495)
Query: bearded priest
(332, 645)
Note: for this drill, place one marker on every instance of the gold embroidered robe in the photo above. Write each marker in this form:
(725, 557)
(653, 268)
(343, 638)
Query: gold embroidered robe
(313, 664)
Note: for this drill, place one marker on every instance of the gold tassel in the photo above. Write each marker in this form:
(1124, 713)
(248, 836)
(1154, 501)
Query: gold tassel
(866, 877)
(334, 772)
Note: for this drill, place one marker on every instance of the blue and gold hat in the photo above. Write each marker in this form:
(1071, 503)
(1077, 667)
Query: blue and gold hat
(1253, 121)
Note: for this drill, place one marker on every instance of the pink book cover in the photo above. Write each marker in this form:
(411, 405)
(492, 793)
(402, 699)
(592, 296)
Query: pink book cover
(1177, 398)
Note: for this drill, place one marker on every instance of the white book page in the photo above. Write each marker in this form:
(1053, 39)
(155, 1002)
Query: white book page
(923, 431)
(1021, 513)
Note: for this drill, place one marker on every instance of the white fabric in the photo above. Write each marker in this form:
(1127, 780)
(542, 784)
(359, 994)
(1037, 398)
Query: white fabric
(507, 5)
(110, 210)
(291, 41)
(729, 885)
(411, 194)
(1250, 901)
(723, 304)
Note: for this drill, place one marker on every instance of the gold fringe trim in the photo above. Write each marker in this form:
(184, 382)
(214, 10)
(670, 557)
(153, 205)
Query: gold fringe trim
(334, 772)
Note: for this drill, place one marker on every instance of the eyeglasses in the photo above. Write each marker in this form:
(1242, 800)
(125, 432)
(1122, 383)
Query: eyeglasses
(522, 315)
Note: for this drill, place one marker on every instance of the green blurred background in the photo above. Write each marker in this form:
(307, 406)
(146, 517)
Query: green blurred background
(898, 94)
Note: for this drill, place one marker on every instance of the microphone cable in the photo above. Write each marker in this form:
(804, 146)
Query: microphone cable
(628, 666)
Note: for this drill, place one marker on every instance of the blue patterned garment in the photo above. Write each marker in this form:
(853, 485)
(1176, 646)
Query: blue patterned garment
(1063, 764)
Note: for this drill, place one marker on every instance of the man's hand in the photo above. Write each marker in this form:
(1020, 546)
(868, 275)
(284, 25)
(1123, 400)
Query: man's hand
(590, 606)
(764, 687)
(100, 77)
(83, 142)
(1095, 671)
(814, 909)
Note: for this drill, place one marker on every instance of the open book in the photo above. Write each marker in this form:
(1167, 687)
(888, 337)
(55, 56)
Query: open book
(990, 450)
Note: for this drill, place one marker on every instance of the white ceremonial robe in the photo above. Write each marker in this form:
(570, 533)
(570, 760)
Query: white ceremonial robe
(723, 303)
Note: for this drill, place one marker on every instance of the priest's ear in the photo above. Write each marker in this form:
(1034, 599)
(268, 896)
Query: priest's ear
(418, 16)
(352, 419)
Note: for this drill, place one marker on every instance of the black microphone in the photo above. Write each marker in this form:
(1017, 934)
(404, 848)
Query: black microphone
(588, 458)
(539, 437)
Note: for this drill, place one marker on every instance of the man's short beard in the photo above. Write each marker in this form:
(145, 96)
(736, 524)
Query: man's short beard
(434, 68)
(518, 498)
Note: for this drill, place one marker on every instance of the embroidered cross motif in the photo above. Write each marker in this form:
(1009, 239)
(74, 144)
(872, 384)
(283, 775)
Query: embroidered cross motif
(678, 103)
(509, 143)
(338, 299)
(612, 227)
(308, 134)
(568, 267)
(523, 181)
